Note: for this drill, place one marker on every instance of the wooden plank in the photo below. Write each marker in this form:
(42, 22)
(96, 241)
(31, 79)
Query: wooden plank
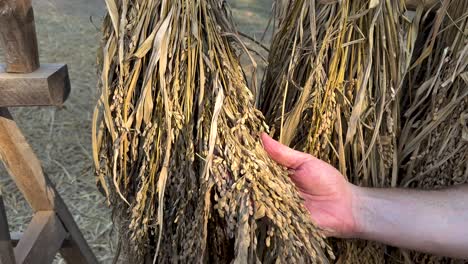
(47, 86)
(42, 239)
(71, 255)
(16, 237)
(6, 248)
(25, 169)
(23, 165)
(18, 36)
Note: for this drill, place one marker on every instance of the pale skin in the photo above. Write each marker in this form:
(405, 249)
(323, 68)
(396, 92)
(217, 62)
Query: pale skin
(428, 221)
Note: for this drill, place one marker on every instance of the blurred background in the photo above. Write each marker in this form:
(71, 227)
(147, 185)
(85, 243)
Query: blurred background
(69, 32)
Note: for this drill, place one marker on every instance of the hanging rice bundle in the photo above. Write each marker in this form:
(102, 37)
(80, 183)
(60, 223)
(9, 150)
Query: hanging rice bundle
(177, 147)
(337, 95)
(434, 141)
(378, 91)
(434, 137)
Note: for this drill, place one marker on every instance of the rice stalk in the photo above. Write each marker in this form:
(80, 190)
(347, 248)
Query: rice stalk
(176, 143)
(376, 90)
(337, 96)
(433, 146)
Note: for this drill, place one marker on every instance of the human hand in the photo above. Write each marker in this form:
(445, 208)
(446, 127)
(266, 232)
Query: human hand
(327, 194)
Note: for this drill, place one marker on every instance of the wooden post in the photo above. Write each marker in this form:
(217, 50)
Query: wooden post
(6, 247)
(18, 33)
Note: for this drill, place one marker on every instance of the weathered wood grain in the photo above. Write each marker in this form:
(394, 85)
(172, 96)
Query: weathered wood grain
(18, 36)
(47, 86)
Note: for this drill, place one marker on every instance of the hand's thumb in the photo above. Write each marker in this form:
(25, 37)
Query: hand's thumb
(283, 154)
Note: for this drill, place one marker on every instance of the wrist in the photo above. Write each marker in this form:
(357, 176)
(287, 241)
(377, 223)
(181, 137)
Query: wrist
(357, 204)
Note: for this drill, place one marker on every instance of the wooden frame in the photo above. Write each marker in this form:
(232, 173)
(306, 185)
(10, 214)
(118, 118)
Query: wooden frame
(24, 83)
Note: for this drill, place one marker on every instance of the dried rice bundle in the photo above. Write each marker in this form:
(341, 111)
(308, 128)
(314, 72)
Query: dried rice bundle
(434, 139)
(337, 96)
(343, 94)
(177, 147)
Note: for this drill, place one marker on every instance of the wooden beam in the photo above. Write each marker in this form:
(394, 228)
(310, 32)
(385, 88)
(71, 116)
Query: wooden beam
(6, 248)
(18, 36)
(47, 86)
(25, 169)
(42, 239)
(23, 165)
(71, 255)
(16, 237)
